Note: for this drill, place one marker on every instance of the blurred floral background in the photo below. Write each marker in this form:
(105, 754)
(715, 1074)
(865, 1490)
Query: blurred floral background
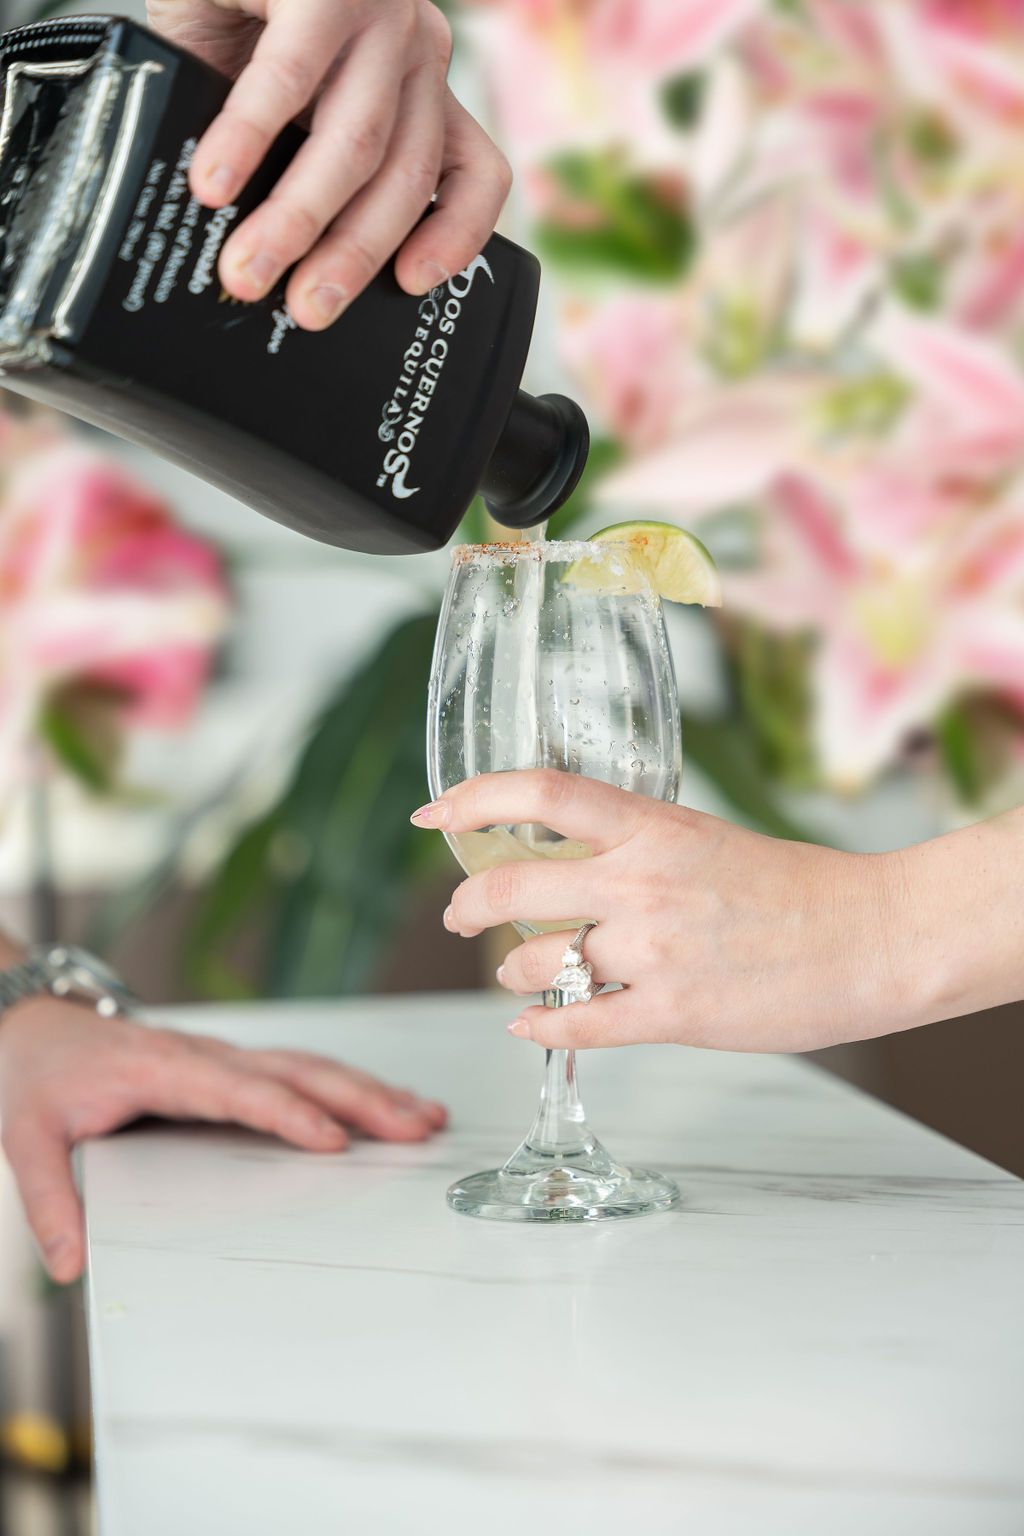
(783, 247)
(783, 251)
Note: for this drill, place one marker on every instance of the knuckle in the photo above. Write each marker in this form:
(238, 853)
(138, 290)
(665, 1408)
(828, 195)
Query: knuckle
(292, 75)
(353, 262)
(501, 171)
(551, 788)
(502, 887)
(533, 968)
(419, 175)
(365, 146)
(297, 226)
(440, 33)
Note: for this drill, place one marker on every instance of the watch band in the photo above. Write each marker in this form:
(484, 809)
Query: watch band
(62, 970)
(27, 979)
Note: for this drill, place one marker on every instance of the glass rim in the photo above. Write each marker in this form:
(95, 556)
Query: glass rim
(509, 551)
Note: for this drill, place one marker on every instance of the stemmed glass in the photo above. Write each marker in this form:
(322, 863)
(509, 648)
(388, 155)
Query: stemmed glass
(552, 655)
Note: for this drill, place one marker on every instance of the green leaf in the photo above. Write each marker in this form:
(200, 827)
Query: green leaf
(726, 752)
(772, 680)
(242, 889)
(871, 403)
(325, 875)
(362, 775)
(932, 138)
(630, 225)
(682, 99)
(79, 726)
(958, 747)
(919, 280)
(976, 739)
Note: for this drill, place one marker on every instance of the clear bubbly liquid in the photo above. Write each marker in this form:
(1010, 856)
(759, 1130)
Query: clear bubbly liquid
(477, 851)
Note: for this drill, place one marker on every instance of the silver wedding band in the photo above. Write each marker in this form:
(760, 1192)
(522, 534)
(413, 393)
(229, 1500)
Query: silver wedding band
(573, 984)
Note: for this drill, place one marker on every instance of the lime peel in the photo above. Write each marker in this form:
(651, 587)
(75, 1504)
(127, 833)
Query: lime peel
(674, 561)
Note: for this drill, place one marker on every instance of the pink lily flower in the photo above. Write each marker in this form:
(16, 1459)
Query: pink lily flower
(98, 587)
(584, 74)
(631, 357)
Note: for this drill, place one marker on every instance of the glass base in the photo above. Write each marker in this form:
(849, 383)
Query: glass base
(584, 1184)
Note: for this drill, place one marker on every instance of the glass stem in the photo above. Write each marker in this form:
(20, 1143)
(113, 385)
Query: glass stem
(560, 1126)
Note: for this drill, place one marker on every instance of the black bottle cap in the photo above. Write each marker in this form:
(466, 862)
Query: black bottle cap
(537, 460)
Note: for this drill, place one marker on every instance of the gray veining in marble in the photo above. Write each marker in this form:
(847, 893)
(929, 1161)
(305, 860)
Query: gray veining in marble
(826, 1337)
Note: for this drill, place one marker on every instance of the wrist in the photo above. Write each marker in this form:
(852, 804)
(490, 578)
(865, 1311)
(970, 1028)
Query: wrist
(961, 936)
(876, 966)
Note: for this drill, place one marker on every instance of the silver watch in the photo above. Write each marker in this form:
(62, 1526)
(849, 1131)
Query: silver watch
(65, 971)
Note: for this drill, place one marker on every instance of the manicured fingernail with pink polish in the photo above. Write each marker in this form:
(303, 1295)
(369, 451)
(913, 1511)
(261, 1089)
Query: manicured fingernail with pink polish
(520, 1028)
(433, 815)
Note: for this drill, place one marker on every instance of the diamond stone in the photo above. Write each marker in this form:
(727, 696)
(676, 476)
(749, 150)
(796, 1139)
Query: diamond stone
(574, 981)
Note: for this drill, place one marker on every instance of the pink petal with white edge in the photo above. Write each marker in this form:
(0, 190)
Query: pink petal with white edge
(631, 357)
(865, 711)
(75, 633)
(968, 377)
(724, 132)
(987, 561)
(979, 73)
(997, 291)
(660, 39)
(892, 508)
(804, 566)
(838, 274)
(990, 649)
(738, 445)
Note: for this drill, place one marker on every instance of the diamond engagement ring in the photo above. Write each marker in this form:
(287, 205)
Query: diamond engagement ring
(573, 981)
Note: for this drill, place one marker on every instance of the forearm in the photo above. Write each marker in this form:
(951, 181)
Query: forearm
(959, 905)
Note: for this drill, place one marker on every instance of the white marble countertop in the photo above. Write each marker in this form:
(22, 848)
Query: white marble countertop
(827, 1337)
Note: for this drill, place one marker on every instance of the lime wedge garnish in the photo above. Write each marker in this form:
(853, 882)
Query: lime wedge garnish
(673, 560)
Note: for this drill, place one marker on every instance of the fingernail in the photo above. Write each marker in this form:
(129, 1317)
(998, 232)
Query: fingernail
(328, 301)
(430, 273)
(520, 1028)
(499, 975)
(449, 919)
(261, 268)
(435, 814)
(408, 1111)
(221, 182)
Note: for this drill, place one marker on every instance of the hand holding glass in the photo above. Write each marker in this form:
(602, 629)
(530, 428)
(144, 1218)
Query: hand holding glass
(552, 655)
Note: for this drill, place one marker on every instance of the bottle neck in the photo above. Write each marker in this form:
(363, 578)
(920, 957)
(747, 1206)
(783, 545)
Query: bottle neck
(537, 461)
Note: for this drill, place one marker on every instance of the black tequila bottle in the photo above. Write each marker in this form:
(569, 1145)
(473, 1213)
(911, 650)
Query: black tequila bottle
(374, 434)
